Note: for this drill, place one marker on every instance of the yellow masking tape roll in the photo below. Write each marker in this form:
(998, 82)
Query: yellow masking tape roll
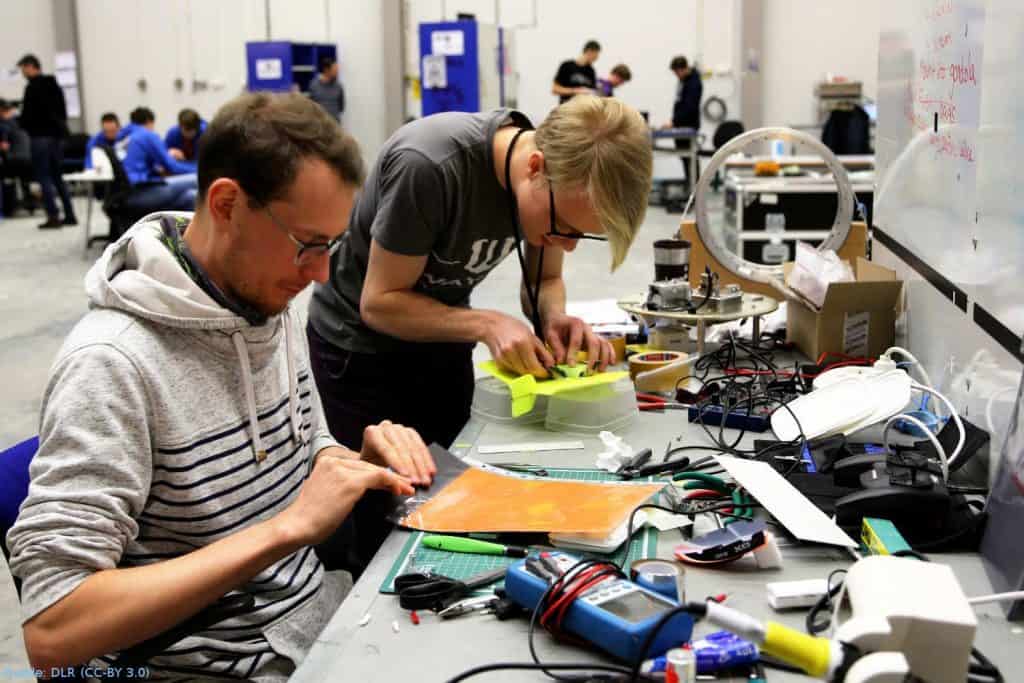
(618, 342)
(652, 360)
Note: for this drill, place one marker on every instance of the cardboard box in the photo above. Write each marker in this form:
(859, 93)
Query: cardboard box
(856, 318)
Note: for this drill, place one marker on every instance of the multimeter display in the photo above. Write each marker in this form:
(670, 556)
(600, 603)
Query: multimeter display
(636, 606)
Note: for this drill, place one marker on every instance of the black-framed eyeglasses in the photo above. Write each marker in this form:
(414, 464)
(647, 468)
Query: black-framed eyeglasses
(553, 232)
(306, 252)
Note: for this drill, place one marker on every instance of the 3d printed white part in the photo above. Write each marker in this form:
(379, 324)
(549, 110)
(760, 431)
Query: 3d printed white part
(902, 605)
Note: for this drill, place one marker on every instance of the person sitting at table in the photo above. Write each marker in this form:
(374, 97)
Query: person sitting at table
(160, 182)
(183, 454)
(109, 135)
(182, 140)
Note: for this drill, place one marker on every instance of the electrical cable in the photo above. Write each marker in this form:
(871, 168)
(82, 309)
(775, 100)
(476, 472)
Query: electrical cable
(554, 589)
(813, 624)
(996, 597)
(630, 530)
(989, 671)
(530, 666)
(887, 354)
(988, 407)
(694, 609)
(953, 413)
(943, 461)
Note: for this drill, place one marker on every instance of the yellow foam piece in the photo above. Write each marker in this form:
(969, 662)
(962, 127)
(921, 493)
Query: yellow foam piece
(524, 389)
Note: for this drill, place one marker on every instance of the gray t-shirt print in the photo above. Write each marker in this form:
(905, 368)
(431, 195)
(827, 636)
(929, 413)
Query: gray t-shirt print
(433, 192)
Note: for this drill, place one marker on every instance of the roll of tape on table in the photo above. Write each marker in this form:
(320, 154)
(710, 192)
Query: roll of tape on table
(653, 360)
(661, 576)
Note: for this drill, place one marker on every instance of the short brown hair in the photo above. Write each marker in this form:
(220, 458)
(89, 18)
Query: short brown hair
(188, 119)
(260, 139)
(602, 146)
(623, 72)
(678, 62)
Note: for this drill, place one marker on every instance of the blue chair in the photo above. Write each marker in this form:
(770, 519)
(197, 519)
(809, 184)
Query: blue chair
(14, 463)
(14, 487)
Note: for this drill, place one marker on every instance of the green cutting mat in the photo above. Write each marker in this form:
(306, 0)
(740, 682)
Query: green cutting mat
(415, 558)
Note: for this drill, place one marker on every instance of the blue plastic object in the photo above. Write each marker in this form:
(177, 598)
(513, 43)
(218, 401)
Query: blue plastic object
(617, 616)
(279, 65)
(14, 464)
(928, 418)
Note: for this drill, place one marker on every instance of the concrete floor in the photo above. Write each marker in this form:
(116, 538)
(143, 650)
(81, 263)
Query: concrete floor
(41, 298)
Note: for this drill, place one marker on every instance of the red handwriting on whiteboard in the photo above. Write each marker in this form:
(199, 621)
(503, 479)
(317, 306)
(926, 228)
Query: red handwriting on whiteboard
(962, 73)
(943, 40)
(946, 146)
(939, 9)
(945, 108)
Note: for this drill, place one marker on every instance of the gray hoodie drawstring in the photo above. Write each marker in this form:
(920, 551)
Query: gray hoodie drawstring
(258, 451)
(293, 383)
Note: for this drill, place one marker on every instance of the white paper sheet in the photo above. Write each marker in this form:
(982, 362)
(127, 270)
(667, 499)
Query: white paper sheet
(784, 502)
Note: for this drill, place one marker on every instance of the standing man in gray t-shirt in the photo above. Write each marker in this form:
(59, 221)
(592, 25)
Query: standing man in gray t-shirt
(450, 196)
(325, 89)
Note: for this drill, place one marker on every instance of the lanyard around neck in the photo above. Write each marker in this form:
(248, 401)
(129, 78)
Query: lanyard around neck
(532, 292)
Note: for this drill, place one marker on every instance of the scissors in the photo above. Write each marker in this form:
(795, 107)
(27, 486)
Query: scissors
(419, 590)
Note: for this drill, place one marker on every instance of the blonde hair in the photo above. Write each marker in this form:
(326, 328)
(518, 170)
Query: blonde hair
(602, 146)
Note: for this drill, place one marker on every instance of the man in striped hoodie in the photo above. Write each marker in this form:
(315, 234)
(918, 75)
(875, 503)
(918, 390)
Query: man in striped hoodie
(183, 455)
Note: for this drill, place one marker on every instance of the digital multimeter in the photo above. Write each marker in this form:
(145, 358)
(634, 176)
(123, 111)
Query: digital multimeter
(616, 615)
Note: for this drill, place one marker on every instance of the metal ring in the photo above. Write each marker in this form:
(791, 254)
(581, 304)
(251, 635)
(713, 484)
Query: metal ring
(715, 109)
(759, 272)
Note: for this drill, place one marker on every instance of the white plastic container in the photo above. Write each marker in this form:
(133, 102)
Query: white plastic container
(607, 407)
(493, 403)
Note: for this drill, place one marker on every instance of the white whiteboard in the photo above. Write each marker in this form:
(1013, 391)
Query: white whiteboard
(949, 143)
(929, 94)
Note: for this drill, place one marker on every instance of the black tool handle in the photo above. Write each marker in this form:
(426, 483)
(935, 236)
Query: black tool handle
(658, 468)
(481, 580)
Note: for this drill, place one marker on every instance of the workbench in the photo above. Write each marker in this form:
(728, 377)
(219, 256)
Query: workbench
(436, 650)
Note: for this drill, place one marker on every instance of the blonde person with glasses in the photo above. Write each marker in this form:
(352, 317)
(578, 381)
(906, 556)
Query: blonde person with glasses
(450, 197)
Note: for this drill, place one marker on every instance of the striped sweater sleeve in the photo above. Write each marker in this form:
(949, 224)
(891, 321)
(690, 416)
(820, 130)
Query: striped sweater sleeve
(89, 479)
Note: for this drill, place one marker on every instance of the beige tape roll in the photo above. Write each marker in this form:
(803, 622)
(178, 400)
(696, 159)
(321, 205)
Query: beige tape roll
(652, 360)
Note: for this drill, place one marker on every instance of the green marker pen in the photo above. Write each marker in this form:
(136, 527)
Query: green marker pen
(458, 544)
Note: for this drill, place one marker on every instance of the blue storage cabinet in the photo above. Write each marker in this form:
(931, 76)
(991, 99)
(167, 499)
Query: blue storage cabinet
(280, 65)
(462, 92)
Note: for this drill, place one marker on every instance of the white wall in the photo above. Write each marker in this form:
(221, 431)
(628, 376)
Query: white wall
(804, 40)
(358, 28)
(125, 40)
(24, 27)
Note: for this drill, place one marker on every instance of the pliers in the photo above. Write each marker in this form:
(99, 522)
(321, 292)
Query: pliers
(699, 480)
(654, 402)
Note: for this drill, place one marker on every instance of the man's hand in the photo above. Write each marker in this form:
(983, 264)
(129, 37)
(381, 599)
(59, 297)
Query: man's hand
(176, 153)
(327, 497)
(566, 335)
(5, 146)
(401, 449)
(515, 347)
